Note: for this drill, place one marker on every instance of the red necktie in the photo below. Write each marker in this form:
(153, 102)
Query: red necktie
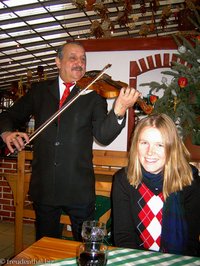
(65, 93)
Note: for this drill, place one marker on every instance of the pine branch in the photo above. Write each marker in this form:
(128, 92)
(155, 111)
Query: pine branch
(182, 101)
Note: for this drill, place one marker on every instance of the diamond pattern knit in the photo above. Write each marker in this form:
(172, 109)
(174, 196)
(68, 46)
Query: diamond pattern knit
(150, 217)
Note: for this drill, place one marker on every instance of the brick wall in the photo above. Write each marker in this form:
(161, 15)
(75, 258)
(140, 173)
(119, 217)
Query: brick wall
(7, 210)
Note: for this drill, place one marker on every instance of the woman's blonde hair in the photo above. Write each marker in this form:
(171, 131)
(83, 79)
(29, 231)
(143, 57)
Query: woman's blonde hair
(177, 171)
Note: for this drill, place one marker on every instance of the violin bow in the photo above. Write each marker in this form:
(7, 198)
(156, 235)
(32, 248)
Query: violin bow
(63, 108)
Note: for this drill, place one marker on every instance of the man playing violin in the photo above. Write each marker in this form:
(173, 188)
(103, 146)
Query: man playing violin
(62, 171)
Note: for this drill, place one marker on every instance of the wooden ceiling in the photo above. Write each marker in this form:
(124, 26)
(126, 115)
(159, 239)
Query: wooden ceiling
(32, 30)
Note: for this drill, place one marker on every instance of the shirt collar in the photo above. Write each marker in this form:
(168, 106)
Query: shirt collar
(62, 86)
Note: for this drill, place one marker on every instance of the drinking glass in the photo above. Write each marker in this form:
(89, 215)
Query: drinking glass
(92, 254)
(93, 231)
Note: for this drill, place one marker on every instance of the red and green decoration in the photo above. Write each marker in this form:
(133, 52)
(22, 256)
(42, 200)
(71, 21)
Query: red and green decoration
(153, 99)
(182, 82)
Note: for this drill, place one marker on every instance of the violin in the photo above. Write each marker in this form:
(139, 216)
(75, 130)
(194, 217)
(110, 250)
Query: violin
(104, 86)
(108, 88)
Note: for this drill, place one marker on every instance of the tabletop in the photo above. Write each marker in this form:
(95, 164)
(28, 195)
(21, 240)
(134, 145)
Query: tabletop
(45, 250)
(57, 252)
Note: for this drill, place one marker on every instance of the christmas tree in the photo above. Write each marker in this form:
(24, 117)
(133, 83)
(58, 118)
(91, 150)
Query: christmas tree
(181, 98)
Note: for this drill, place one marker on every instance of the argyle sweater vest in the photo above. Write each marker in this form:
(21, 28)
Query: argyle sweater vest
(149, 217)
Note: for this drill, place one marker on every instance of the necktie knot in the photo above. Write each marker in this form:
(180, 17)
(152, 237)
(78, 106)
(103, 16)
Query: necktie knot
(68, 84)
(65, 93)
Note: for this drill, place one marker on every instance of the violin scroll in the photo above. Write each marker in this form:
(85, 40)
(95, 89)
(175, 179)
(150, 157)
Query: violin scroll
(146, 108)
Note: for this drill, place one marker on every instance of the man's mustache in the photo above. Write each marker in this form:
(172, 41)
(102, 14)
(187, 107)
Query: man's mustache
(78, 68)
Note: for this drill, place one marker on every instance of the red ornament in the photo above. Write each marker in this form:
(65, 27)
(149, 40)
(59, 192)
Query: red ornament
(153, 98)
(198, 38)
(182, 82)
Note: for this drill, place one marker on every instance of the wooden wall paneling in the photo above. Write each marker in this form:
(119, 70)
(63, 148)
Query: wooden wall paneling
(125, 44)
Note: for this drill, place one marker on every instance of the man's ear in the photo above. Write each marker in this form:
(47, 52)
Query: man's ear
(57, 62)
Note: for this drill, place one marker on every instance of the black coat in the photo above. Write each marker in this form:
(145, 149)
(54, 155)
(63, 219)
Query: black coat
(62, 170)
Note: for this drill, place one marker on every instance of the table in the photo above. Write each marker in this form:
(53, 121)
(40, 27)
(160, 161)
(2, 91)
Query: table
(58, 252)
(44, 250)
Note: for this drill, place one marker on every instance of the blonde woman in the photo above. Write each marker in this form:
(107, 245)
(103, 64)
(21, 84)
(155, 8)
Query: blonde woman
(156, 199)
